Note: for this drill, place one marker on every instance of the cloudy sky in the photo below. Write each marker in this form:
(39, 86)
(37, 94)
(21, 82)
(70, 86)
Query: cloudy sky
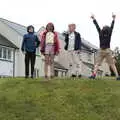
(63, 12)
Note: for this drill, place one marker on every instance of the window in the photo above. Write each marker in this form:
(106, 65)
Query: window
(89, 56)
(36, 73)
(4, 53)
(9, 54)
(56, 72)
(0, 52)
(38, 51)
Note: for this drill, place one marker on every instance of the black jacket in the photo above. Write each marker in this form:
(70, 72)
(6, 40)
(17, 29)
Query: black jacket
(77, 44)
(104, 35)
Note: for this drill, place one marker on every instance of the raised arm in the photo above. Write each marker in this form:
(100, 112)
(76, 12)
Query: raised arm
(96, 24)
(113, 22)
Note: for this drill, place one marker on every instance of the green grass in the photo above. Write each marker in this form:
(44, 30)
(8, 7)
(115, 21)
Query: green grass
(59, 99)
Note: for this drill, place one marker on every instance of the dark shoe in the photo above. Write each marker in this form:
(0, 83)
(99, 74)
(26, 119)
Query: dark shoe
(52, 77)
(26, 77)
(92, 76)
(32, 77)
(79, 76)
(46, 77)
(118, 78)
(73, 75)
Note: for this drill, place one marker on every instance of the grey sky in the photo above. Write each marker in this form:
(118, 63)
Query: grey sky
(63, 12)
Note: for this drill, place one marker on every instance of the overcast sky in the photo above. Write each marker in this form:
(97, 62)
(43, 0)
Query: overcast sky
(63, 12)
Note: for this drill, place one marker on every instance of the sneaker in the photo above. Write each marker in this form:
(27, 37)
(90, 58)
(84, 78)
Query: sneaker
(26, 77)
(52, 77)
(93, 76)
(79, 76)
(32, 77)
(74, 76)
(46, 77)
(118, 78)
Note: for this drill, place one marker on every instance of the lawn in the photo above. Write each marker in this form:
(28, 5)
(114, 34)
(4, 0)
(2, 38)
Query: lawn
(59, 99)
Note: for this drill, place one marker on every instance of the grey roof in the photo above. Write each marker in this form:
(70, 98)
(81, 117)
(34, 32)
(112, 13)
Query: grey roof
(20, 29)
(59, 66)
(5, 42)
(88, 44)
(91, 66)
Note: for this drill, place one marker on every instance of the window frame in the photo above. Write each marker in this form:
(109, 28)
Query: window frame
(7, 54)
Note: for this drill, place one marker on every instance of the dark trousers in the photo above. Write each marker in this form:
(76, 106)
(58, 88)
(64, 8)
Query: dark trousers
(29, 58)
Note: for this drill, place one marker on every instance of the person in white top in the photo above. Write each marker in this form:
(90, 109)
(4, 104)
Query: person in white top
(73, 46)
(71, 41)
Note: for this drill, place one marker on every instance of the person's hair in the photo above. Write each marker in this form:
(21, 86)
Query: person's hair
(106, 29)
(72, 24)
(52, 26)
(28, 28)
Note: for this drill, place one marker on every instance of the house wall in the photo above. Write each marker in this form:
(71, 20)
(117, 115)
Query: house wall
(87, 56)
(6, 61)
(6, 68)
(86, 71)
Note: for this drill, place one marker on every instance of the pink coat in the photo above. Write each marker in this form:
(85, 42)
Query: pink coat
(56, 43)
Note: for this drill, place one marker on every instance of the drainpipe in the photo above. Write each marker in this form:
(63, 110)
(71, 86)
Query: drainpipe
(14, 62)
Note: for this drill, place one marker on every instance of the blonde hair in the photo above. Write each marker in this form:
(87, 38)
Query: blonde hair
(72, 24)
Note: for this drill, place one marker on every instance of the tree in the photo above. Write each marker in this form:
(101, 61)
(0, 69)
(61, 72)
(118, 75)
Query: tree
(116, 57)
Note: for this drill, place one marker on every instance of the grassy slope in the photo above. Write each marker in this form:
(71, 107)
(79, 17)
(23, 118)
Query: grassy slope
(22, 99)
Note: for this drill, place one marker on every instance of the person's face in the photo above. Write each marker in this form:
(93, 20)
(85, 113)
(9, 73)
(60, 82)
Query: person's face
(31, 30)
(50, 28)
(71, 28)
(105, 27)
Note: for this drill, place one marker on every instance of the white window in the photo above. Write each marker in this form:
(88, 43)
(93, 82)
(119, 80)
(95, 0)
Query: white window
(0, 52)
(38, 51)
(6, 53)
(89, 57)
(9, 54)
(36, 73)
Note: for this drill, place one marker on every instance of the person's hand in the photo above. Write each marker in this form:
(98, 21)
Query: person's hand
(92, 16)
(57, 53)
(24, 52)
(113, 16)
(42, 53)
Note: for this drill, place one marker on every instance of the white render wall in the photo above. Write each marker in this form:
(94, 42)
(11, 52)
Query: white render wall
(6, 68)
